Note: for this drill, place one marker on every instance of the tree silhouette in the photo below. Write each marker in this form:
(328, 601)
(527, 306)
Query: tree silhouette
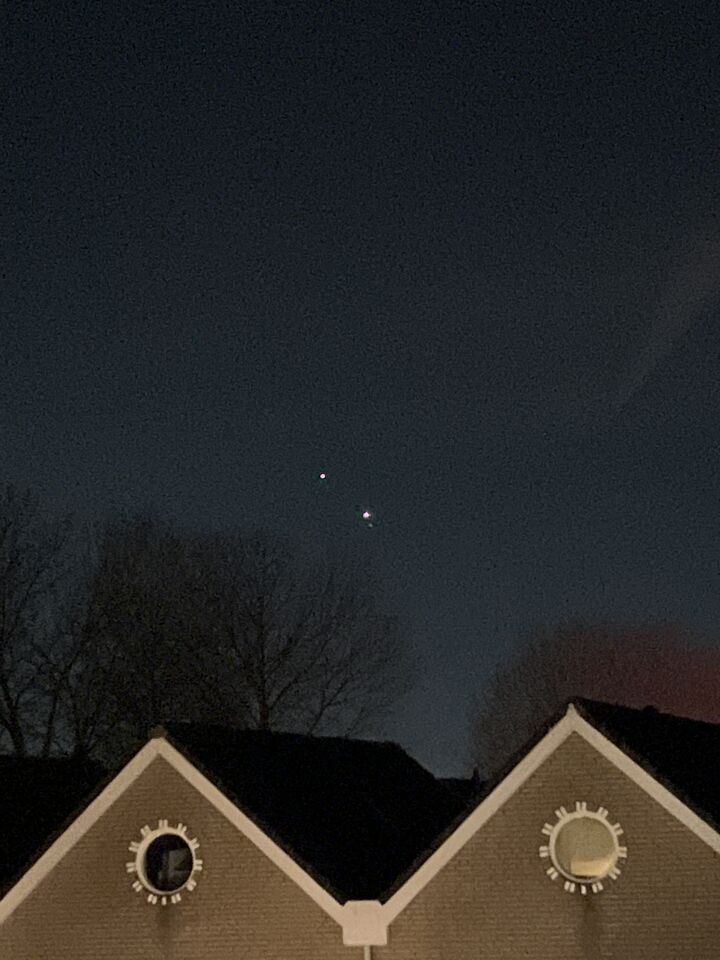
(235, 629)
(650, 664)
(32, 564)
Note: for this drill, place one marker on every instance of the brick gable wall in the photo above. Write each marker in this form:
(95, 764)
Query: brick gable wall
(243, 905)
(493, 901)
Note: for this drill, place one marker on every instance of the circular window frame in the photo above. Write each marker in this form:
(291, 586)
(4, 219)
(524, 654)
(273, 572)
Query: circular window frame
(140, 848)
(572, 882)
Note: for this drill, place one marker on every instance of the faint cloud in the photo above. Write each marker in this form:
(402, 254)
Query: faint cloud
(691, 287)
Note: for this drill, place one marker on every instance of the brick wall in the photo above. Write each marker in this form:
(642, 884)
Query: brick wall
(493, 901)
(243, 905)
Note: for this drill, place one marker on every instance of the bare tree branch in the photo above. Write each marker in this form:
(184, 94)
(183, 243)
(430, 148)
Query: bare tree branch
(32, 563)
(657, 664)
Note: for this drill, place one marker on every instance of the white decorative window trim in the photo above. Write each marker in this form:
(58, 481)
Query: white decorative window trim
(555, 871)
(357, 929)
(142, 884)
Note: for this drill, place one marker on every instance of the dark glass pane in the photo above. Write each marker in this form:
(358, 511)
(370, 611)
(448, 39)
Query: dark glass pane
(168, 862)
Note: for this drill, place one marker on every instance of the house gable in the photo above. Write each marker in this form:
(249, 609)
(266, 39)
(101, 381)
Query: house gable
(257, 897)
(81, 901)
(333, 815)
(572, 723)
(492, 896)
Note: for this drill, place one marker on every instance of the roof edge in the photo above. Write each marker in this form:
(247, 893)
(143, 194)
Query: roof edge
(572, 719)
(189, 770)
(160, 746)
(641, 772)
(76, 829)
(286, 849)
(466, 827)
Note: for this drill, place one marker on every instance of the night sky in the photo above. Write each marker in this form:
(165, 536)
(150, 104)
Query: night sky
(464, 257)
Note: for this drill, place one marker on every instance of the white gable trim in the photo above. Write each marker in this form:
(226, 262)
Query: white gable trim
(77, 830)
(159, 747)
(253, 833)
(480, 815)
(364, 923)
(649, 784)
(571, 722)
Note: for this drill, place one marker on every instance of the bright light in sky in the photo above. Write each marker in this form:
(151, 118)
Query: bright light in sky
(366, 514)
(323, 476)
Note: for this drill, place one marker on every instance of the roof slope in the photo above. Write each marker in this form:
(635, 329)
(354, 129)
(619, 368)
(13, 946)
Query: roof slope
(359, 816)
(665, 746)
(682, 754)
(354, 813)
(466, 789)
(37, 795)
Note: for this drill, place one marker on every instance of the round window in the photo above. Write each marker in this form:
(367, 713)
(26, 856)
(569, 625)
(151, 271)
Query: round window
(585, 849)
(168, 863)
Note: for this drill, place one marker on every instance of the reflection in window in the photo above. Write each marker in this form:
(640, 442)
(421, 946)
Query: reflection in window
(168, 863)
(585, 848)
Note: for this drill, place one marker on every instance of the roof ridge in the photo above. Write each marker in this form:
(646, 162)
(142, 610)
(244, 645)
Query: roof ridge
(647, 710)
(167, 727)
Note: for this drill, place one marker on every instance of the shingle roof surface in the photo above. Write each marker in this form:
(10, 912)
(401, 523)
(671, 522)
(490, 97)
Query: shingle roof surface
(354, 813)
(37, 795)
(466, 789)
(682, 754)
(358, 815)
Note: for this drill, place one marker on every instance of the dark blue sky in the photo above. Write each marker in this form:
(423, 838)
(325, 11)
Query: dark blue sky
(464, 257)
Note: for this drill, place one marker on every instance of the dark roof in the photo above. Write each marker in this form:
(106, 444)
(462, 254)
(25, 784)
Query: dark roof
(354, 813)
(360, 816)
(37, 796)
(466, 789)
(655, 740)
(682, 754)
